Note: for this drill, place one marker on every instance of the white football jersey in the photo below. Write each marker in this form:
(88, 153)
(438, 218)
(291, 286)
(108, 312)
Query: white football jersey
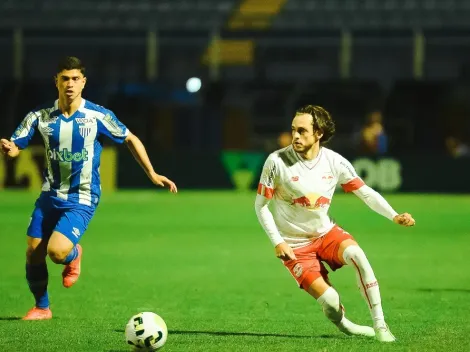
(302, 191)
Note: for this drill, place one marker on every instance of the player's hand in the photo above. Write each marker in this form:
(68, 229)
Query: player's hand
(162, 181)
(404, 219)
(9, 148)
(285, 252)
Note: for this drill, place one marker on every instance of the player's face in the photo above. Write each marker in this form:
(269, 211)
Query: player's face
(303, 136)
(70, 83)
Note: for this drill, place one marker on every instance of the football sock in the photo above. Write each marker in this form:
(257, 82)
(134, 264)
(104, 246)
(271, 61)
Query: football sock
(37, 277)
(71, 256)
(368, 285)
(329, 301)
(334, 311)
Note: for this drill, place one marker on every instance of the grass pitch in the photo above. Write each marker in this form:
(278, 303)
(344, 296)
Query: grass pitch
(202, 261)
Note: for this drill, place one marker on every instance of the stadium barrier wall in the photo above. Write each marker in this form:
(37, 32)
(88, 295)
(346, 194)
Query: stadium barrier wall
(241, 171)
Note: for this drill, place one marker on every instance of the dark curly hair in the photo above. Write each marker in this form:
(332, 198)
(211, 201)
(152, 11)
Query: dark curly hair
(321, 121)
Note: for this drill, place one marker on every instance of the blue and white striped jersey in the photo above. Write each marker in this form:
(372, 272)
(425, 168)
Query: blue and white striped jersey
(73, 147)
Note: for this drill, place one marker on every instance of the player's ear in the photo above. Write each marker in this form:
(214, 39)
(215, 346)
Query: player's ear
(319, 134)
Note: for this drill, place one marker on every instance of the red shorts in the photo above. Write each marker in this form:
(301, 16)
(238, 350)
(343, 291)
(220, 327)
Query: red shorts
(308, 267)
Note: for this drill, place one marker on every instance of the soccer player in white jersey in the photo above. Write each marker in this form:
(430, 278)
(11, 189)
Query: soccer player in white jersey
(73, 130)
(300, 180)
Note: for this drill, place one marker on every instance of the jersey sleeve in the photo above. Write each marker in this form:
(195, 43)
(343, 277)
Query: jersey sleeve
(111, 127)
(267, 182)
(347, 175)
(25, 131)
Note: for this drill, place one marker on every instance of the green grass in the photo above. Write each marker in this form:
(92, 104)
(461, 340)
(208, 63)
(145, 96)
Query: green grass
(201, 261)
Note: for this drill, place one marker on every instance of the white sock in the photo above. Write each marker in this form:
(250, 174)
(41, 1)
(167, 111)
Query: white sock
(333, 310)
(355, 256)
(329, 301)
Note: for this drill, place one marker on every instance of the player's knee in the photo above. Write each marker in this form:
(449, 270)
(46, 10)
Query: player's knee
(354, 255)
(57, 255)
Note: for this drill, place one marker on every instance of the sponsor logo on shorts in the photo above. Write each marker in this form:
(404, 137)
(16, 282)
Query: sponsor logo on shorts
(298, 269)
(76, 232)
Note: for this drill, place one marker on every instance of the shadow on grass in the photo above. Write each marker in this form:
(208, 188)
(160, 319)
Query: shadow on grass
(460, 290)
(232, 333)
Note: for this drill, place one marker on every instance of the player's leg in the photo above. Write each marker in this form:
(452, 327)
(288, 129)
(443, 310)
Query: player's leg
(329, 300)
(63, 247)
(312, 276)
(62, 250)
(351, 254)
(36, 267)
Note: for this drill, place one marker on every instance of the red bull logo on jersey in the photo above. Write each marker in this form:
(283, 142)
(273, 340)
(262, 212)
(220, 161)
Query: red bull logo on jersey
(302, 201)
(321, 202)
(66, 156)
(312, 201)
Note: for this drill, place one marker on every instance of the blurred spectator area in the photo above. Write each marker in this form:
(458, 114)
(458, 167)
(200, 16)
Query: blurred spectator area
(258, 62)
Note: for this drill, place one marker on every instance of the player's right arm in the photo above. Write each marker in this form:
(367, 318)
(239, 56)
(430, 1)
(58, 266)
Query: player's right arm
(21, 137)
(111, 127)
(266, 189)
(9, 148)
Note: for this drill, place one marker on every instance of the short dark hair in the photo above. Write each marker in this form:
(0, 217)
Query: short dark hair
(71, 63)
(321, 121)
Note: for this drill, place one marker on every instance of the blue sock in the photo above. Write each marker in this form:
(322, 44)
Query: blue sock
(37, 277)
(71, 256)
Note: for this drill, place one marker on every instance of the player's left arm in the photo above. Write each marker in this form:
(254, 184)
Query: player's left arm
(115, 130)
(351, 182)
(140, 154)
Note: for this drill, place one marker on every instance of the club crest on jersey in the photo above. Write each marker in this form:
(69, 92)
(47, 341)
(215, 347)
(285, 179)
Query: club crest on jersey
(84, 131)
(327, 177)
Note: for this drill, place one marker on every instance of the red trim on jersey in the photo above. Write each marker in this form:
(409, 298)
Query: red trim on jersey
(353, 185)
(268, 192)
(265, 191)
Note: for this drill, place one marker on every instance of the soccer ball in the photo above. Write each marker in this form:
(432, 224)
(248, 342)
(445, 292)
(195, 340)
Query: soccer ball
(146, 331)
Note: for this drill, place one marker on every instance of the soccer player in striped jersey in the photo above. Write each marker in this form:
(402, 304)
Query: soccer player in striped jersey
(73, 130)
(301, 180)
